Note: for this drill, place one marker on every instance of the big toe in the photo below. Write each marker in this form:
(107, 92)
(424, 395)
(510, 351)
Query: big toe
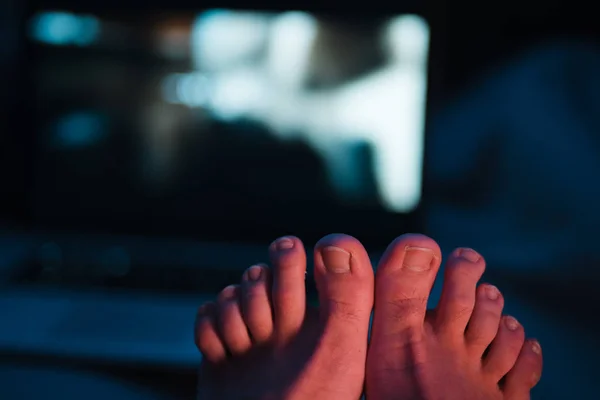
(404, 279)
(344, 279)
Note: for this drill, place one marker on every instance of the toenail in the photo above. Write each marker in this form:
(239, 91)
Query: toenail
(511, 323)
(254, 273)
(535, 378)
(229, 292)
(336, 260)
(492, 292)
(284, 243)
(536, 348)
(469, 255)
(418, 259)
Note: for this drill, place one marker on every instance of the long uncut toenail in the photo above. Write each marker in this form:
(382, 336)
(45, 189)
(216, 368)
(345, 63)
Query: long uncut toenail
(511, 323)
(284, 243)
(536, 348)
(469, 255)
(492, 292)
(336, 260)
(254, 272)
(418, 259)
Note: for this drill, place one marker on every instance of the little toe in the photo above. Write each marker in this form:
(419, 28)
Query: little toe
(404, 279)
(485, 319)
(505, 348)
(289, 291)
(232, 328)
(463, 270)
(526, 372)
(206, 334)
(256, 305)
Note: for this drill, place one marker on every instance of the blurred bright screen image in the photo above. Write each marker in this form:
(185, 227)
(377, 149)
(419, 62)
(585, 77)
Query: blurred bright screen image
(226, 116)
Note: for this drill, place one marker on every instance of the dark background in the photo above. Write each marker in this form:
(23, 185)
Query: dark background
(512, 169)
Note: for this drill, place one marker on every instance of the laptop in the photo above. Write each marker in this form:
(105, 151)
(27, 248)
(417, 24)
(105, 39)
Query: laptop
(163, 151)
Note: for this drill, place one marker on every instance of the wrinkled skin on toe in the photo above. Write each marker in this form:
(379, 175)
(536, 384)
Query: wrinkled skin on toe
(463, 349)
(261, 341)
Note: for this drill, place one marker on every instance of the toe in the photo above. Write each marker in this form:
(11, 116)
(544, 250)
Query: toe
(288, 292)
(206, 334)
(505, 348)
(463, 270)
(484, 322)
(526, 372)
(232, 329)
(344, 279)
(404, 278)
(256, 306)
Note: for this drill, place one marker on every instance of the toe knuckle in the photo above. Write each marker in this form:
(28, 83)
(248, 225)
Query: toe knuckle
(464, 270)
(254, 293)
(402, 308)
(344, 310)
(515, 345)
(464, 310)
(481, 337)
(228, 311)
(285, 259)
(491, 317)
(462, 302)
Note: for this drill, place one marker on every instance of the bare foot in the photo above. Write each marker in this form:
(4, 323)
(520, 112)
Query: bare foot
(464, 349)
(260, 341)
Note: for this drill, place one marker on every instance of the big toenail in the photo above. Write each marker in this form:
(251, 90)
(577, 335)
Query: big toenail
(492, 292)
(536, 348)
(284, 244)
(511, 323)
(336, 260)
(254, 272)
(418, 259)
(469, 255)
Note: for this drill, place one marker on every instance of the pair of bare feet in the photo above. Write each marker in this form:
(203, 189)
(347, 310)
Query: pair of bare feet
(261, 341)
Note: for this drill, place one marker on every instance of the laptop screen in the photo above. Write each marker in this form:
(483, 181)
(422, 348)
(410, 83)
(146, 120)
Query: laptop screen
(226, 124)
